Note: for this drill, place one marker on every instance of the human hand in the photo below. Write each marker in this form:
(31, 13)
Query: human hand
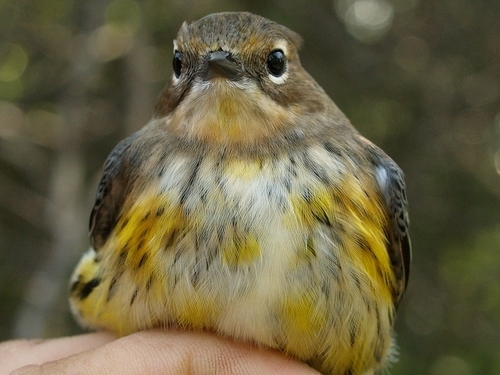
(147, 352)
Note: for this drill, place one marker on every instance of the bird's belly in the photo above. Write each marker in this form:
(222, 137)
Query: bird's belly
(235, 253)
(260, 251)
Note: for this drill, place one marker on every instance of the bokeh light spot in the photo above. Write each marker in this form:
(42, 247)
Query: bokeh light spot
(124, 14)
(11, 120)
(13, 61)
(366, 20)
(108, 43)
(450, 365)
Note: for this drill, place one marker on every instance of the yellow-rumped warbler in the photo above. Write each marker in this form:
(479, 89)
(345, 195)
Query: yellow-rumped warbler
(251, 207)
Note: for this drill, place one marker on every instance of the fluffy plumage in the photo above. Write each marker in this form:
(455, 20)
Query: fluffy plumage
(251, 207)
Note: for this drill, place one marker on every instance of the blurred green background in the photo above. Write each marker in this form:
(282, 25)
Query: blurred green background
(420, 78)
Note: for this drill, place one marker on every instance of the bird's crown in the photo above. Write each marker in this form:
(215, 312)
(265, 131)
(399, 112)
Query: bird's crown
(239, 32)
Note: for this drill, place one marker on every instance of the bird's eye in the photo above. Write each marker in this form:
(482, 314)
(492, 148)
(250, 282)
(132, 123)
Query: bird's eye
(177, 63)
(276, 63)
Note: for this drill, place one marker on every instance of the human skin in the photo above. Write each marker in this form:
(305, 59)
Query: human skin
(148, 352)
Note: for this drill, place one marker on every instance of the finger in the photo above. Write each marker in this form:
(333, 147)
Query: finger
(173, 353)
(17, 353)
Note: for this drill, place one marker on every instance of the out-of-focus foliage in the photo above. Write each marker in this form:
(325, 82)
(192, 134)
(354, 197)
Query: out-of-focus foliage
(421, 78)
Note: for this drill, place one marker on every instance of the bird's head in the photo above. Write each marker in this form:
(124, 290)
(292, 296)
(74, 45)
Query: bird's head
(237, 79)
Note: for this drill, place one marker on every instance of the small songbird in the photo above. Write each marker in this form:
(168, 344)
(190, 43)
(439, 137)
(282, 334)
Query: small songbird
(249, 206)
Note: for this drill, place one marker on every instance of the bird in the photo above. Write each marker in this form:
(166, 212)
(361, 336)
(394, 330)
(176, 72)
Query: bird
(251, 207)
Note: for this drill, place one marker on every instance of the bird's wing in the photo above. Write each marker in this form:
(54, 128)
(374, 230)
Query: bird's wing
(391, 181)
(111, 192)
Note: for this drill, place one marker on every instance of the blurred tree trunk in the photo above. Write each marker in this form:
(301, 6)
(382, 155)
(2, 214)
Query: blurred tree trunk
(46, 291)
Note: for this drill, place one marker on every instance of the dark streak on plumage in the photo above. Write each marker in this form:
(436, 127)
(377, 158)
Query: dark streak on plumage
(331, 148)
(88, 287)
(124, 223)
(288, 184)
(123, 255)
(270, 190)
(177, 255)
(149, 283)
(212, 255)
(203, 194)
(322, 217)
(195, 275)
(140, 244)
(318, 171)
(353, 332)
(142, 261)
(171, 239)
(306, 194)
(189, 185)
(378, 352)
(362, 242)
(282, 203)
(134, 296)
(325, 288)
(112, 284)
(357, 281)
(75, 284)
(161, 172)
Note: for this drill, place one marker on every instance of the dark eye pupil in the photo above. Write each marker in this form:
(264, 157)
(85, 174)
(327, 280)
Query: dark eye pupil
(177, 63)
(276, 63)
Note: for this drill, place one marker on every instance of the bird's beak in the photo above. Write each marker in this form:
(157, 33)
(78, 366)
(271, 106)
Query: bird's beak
(221, 64)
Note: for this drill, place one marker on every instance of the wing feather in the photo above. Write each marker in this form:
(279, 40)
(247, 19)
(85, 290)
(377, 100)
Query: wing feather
(390, 179)
(111, 192)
